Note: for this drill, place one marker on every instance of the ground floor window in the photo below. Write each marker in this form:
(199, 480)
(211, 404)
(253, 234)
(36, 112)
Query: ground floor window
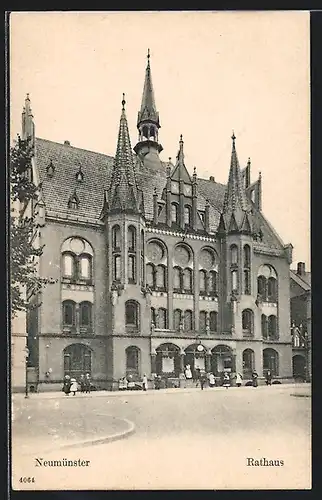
(222, 360)
(271, 361)
(132, 360)
(77, 360)
(195, 356)
(168, 360)
(248, 362)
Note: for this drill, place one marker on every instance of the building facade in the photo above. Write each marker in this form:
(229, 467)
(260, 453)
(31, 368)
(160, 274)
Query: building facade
(156, 268)
(300, 289)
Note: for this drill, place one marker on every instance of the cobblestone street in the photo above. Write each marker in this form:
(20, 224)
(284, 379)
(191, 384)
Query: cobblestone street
(183, 438)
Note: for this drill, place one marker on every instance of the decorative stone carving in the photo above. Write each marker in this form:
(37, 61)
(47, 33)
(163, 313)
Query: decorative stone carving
(181, 255)
(154, 252)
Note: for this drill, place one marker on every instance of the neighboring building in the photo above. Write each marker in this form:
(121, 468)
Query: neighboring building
(300, 286)
(156, 267)
(18, 351)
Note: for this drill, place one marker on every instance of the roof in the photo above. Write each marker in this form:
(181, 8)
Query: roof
(303, 280)
(97, 170)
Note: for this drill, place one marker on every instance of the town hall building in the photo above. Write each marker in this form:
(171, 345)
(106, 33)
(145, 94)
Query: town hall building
(154, 267)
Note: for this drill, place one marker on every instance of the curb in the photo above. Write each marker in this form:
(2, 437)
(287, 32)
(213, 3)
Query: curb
(91, 442)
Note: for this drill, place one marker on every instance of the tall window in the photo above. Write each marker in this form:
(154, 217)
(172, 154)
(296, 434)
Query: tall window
(176, 278)
(187, 215)
(150, 275)
(68, 313)
(132, 359)
(272, 327)
(261, 287)
(247, 322)
(117, 268)
(271, 361)
(272, 289)
(213, 282)
(153, 316)
(131, 238)
(187, 324)
(202, 321)
(116, 238)
(85, 267)
(160, 276)
(77, 360)
(69, 265)
(177, 319)
(131, 269)
(246, 256)
(213, 321)
(162, 318)
(264, 326)
(202, 281)
(248, 362)
(85, 314)
(174, 213)
(187, 280)
(234, 254)
(234, 281)
(247, 282)
(131, 313)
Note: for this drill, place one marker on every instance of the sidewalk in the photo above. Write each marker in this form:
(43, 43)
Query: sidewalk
(108, 394)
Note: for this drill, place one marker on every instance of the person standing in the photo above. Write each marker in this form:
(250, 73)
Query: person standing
(188, 373)
(82, 383)
(239, 379)
(87, 383)
(66, 386)
(203, 379)
(255, 377)
(268, 377)
(197, 376)
(212, 380)
(73, 386)
(226, 380)
(145, 382)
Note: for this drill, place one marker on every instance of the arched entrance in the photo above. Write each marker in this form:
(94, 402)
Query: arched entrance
(299, 366)
(270, 361)
(77, 360)
(168, 360)
(222, 360)
(195, 356)
(248, 363)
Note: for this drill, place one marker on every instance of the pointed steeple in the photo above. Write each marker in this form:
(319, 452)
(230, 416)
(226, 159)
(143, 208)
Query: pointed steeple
(180, 172)
(148, 122)
(235, 201)
(148, 109)
(27, 121)
(123, 192)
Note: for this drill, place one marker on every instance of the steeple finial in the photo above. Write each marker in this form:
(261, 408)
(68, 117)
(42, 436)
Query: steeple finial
(233, 138)
(123, 101)
(148, 57)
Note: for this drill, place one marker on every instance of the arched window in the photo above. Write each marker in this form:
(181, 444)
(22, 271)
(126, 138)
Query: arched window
(162, 318)
(117, 268)
(272, 289)
(150, 275)
(77, 360)
(187, 280)
(272, 327)
(85, 267)
(174, 213)
(177, 278)
(234, 254)
(69, 313)
(202, 321)
(247, 282)
(142, 259)
(85, 314)
(131, 268)
(116, 238)
(132, 359)
(261, 287)
(213, 282)
(187, 322)
(271, 361)
(160, 277)
(264, 326)
(187, 215)
(234, 281)
(176, 319)
(202, 281)
(131, 239)
(68, 265)
(132, 313)
(247, 257)
(213, 321)
(247, 323)
(153, 316)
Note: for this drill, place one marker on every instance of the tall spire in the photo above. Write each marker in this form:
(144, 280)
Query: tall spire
(123, 192)
(148, 109)
(235, 202)
(27, 121)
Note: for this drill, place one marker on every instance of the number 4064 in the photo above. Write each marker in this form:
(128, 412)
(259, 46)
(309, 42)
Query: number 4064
(27, 480)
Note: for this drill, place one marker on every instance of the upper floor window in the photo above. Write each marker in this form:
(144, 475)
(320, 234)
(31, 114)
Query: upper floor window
(174, 213)
(267, 287)
(202, 281)
(162, 318)
(117, 268)
(213, 282)
(248, 322)
(177, 319)
(176, 278)
(247, 256)
(131, 269)
(85, 267)
(202, 321)
(132, 313)
(187, 215)
(272, 326)
(187, 323)
(77, 259)
(85, 314)
(234, 254)
(69, 313)
(150, 275)
(131, 239)
(272, 289)
(187, 280)
(213, 321)
(161, 276)
(69, 265)
(116, 238)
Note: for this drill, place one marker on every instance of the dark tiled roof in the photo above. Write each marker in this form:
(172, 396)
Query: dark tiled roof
(97, 169)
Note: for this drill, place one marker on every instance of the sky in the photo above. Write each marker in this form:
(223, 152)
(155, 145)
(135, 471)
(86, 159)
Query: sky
(213, 73)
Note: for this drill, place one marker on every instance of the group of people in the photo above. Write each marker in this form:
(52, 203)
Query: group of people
(71, 385)
(127, 383)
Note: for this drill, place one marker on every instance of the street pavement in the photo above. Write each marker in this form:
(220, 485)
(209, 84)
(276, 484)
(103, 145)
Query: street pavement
(184, 438)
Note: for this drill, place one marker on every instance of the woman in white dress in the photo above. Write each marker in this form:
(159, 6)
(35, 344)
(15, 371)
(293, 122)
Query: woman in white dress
(73, 386)
(239, 379)
(188, 373)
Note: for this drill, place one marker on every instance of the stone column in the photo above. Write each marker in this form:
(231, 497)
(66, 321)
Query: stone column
(182, 355)
(153, 362)
(208, 361)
